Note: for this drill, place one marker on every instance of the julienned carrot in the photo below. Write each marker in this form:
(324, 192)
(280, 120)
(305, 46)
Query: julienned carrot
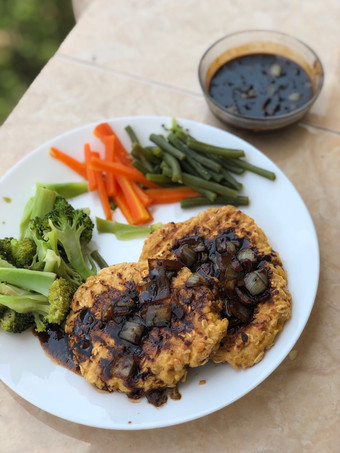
(170, 194)
(119, 169)
(137, 209)
(122, 204)
(143, 196)
(103, 195)
(110, 145)
(90, 173)
(74, 164)
(103, 130)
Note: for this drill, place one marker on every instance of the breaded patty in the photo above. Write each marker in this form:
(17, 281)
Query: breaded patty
(137, 327)
(229, 246)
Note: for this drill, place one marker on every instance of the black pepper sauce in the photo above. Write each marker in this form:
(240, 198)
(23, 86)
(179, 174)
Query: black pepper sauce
(261, 86)
(54, 342)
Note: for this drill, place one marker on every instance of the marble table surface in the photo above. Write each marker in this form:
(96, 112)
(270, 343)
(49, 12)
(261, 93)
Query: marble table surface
(124, 58)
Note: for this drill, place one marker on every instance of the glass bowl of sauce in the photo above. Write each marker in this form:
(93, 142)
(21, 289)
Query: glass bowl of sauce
(260, 80)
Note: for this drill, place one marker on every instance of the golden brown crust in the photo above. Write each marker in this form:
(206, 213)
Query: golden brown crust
(246, 346)
(242, 351)
(165, 353)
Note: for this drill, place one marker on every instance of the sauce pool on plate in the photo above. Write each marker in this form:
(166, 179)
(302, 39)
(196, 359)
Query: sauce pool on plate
(260, 86)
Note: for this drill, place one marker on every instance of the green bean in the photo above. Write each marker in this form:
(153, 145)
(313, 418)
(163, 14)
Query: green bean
(217, 177)
(231, 180)
(138, 150)
(220, 151)
(185, 165)
(190, 180)
(200, 170)
(211, 196)
(212, 165)
(240, 200)
(132, 135)
(174, 165)
(145, 156)
(254, 169)
(156, 151)
(158, 178)
(227, 164)
(167, 171)
(160, 141)
(139, 166)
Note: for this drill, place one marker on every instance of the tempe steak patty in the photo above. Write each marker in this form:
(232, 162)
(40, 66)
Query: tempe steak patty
(225, 244)
(138, 327)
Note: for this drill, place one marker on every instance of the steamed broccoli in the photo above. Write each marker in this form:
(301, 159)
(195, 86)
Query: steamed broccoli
(73, 230)
(35, 293)
(19, 253)
(61, 236)
(14, 322)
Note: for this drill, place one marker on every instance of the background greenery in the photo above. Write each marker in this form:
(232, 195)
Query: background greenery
(30, 33)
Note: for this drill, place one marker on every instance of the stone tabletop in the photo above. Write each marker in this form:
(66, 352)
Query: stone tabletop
(124, 58)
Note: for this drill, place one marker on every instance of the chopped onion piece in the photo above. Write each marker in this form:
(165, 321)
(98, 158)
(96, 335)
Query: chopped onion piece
(187, 255)
(256, 282)
(275, 70)
(246, 255)
(123, 367)
(196, 279)
(158, 315)
(131, 332)
(295, 97)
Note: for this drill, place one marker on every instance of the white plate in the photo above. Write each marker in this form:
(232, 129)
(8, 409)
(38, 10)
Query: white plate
(276, 207)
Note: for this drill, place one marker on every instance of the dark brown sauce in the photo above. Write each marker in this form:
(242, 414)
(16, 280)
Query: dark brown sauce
(54, 342)
(261, 85)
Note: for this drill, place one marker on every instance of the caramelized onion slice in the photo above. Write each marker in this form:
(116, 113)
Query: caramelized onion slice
(131, 332)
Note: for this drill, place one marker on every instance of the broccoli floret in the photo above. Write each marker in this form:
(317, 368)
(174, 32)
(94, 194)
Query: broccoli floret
(18, 252)
(73, 229)
(14, 322)
(48, 303)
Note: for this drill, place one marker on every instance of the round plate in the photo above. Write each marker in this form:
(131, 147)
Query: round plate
(275, 206)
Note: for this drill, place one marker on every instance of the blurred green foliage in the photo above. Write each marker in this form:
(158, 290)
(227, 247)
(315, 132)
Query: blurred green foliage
(30, 33)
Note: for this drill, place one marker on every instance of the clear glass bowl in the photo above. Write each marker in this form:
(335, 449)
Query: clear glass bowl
(259, 42)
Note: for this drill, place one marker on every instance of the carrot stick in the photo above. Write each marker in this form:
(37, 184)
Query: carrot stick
(170, 194)
(91, 174)
(142, 195)
(110, 182)
(119, 169)
(122, 204)
(103, 195)
(74, 164)
(102, 130)
(138, 211)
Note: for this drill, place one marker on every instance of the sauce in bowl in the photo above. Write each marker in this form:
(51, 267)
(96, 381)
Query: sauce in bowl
(260, 85)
